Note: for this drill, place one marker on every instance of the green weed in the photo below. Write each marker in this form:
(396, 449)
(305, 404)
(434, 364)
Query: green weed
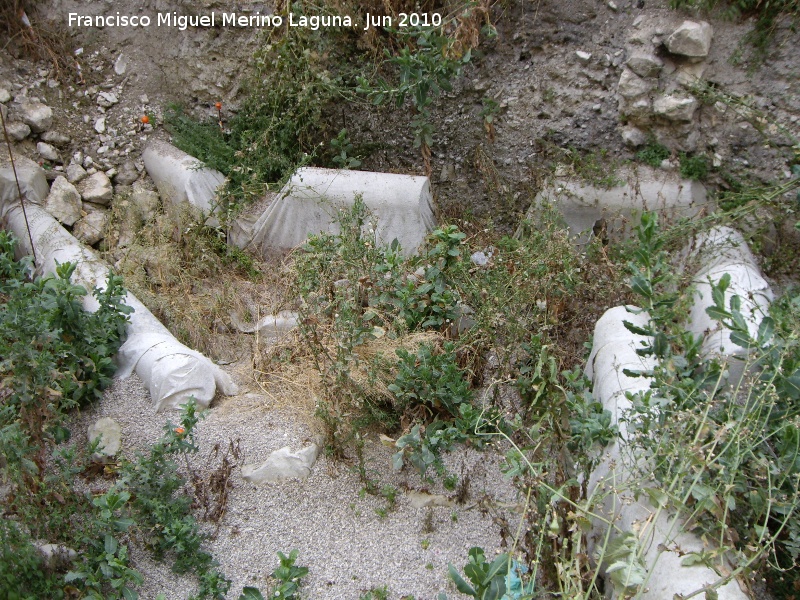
(653, 154)
(694, 166)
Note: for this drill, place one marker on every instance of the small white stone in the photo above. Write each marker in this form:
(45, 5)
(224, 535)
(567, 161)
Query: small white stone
(100, 125)
(47, 152)
(121, 65)
(110, 434)
(107, 99)
(583, 57)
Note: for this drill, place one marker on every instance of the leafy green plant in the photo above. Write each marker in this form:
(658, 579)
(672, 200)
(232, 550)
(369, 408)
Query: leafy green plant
(488, 579)
(44, 331)
(715, 437)
(489, 111)
(23, 576)
(693, 166)
(653, 154)
(376, 593)
(289, 577)
(343, 152)
(107, 565)
(280, 123)
(430, 379)
(426, 66)
(163, 510)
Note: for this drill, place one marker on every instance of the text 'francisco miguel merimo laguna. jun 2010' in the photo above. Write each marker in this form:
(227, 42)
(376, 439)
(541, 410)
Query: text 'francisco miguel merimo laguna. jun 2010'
(243, 20)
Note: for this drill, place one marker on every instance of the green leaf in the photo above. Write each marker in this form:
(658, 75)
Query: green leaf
(129, 594)
(497, 589)
(718, 314)
(251, 593)
(766, 330)
(637, 330)
(642, 286)
(461, 585)
(658, 498)
(743, 339)
(500, 565)
(692, 559)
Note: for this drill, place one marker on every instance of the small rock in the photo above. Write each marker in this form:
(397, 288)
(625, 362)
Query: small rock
(121, 65)
(612, 5)
(480, 259)
(464, 320)
(5, 96)
(597, 107)
(48, 152)
(54, 137)
(283, 464)
(96, 189)
(36, 115)
(87, 161)
(691, 39)
(633, 136)
(110, 434)
(146, 201)
(127, 173)
(689, 75)
(64, 201)
(100, 125)
(675, 108)
(583, 57)
(91, 228)
(631, 85)
(76, 173)
(423, 500)
(144, 99)
(17, 131)
(669, 165)
(107, 99)
(645, 65)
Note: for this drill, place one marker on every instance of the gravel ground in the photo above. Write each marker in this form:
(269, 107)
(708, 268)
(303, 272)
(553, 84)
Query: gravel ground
(348, 548)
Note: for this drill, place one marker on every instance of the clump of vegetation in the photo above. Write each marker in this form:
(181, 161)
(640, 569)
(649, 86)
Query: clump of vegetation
(653, 154)
(281, 124)
(694, 166)
(427, 65)
(57, 357)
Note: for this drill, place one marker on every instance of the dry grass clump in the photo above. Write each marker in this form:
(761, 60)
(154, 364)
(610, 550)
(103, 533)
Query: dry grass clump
(25, 33)
(192, 281)
(294, 375)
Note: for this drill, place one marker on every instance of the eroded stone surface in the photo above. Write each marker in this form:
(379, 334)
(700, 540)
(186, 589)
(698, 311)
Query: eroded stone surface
(64, 201)
(96, 189)
(691, 39)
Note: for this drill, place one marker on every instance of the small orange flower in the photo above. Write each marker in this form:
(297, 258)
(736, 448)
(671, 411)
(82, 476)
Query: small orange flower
(218, 106)
(180, 430)
(144, 119)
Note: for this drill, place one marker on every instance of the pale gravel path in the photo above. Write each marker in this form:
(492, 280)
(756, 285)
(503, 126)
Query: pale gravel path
(348, 548)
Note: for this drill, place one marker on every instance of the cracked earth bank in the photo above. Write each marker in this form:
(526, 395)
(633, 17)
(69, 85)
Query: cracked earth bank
(554, 71)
